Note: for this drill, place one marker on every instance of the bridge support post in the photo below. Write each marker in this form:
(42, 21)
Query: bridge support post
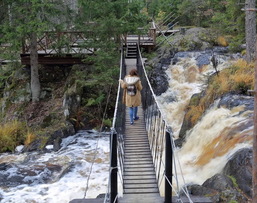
(114, 169)
(168, 169)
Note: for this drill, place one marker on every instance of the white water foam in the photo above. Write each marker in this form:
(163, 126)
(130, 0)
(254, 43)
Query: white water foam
(78, 150)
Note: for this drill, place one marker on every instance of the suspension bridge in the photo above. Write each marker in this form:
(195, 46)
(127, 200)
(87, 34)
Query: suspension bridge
(143, 163)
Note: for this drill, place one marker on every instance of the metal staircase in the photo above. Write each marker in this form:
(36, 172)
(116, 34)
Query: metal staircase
(131, 50)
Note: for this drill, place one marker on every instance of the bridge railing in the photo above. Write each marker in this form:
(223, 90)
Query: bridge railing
(116, 141)
(161, 140)
(159, 134)
(68, 42)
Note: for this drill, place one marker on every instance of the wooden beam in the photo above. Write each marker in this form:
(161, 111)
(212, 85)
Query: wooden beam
(53, 59)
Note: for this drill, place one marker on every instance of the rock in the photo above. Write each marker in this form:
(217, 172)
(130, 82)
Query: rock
(231, 100)
(194, 39)
(32, 174)
(101, 196)
(160, 64)
(3, 166)
(198, 190)
(218, 182)
(159, 82)
(219, 188)
(203, 59)
(187, 124)
(240, 168)
(55, 139)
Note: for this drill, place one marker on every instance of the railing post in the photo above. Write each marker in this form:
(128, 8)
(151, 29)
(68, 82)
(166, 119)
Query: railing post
(114, 170)
(168, 168)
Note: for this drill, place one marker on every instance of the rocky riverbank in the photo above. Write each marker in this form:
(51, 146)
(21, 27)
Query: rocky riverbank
(233, 182)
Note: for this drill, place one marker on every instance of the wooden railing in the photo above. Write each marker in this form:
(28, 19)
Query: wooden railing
(59, 42)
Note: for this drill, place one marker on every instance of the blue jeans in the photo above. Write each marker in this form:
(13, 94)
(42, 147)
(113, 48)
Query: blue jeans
(132, 113)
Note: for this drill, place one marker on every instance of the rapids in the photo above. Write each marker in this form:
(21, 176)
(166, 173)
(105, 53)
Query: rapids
(42, 184)
(220, 132)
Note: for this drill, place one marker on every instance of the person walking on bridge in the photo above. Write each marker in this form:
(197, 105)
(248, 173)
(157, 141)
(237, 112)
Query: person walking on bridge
(131, 94)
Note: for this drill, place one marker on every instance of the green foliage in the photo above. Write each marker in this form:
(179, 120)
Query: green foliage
(107, 122)
(19, 22)
(225, 16)
(233, 181)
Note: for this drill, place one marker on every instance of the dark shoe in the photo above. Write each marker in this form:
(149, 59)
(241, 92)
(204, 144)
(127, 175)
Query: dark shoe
(136, 118)
(131, 123)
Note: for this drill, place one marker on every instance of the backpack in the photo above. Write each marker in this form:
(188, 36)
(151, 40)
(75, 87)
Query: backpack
(131, 90)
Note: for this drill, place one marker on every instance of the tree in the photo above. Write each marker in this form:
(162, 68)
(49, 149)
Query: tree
(104, 22)
(250, 29)
(21, 24)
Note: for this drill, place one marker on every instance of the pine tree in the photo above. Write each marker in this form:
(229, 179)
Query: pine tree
(26, 21)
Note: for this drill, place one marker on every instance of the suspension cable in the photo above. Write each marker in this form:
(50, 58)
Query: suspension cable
(97, 142)
(175, 157)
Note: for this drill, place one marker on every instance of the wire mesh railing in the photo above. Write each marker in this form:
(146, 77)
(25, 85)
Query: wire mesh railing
(116, 141)
(161, 141)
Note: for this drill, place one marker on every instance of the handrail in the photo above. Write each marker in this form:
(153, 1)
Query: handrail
(116, 141)
(160, 138)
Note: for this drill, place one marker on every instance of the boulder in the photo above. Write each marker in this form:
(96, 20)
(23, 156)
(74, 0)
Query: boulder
(240, 168)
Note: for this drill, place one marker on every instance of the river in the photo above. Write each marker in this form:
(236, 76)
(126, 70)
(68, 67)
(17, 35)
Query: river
(219, 133)
(42, 183)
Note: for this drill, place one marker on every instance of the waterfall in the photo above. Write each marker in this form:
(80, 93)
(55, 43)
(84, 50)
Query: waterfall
(58, 177)
(219, 133)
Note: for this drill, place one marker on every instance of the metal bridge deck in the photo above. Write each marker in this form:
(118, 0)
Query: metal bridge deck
(140, 183)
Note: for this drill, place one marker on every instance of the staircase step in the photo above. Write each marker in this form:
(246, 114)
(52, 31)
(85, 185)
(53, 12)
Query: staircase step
(141, 190)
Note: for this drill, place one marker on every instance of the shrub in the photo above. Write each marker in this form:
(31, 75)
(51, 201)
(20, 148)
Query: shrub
(222, 41)
(12, 134)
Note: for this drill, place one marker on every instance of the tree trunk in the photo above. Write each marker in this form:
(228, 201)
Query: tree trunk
(250, 29)
(35, 84)
(254, 169)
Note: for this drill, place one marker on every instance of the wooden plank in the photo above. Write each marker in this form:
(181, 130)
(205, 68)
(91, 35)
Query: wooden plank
(141, 190)
(136, 151)
(140, 173)
(141, 198)
(138, 162)
(137, 148)
(139, 177)
(140, 181)
(138, 170)
(141, 186)
(137, 143)
(135, 166)
(141, 156)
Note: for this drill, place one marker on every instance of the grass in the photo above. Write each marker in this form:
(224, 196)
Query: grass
(238, 78)
(12, 134)
(222, 41)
